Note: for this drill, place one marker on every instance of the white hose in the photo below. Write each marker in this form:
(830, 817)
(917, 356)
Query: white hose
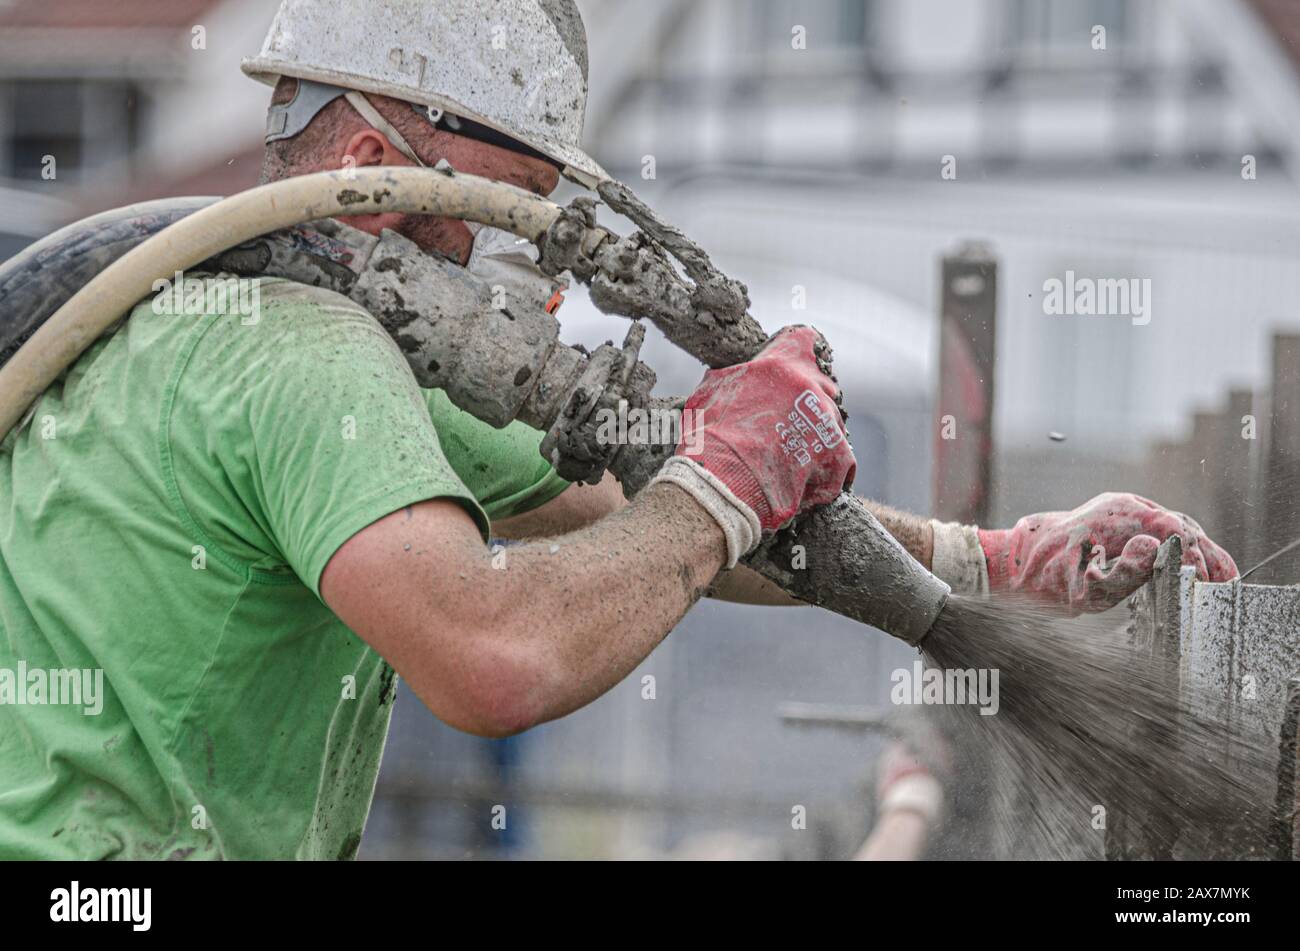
(240, 218)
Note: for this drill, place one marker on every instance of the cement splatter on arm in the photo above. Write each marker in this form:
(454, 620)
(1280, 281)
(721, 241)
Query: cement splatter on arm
(576, 507)
(580, 506)
(494, 646)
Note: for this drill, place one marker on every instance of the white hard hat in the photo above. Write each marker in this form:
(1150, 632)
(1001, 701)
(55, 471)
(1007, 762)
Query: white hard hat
(518, 67)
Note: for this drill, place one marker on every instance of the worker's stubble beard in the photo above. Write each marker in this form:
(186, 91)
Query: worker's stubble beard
(446, 236)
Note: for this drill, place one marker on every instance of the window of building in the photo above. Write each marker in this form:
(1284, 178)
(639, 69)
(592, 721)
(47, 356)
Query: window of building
(1052, 26)
(83, 124)
(844, 24)
(45, 119)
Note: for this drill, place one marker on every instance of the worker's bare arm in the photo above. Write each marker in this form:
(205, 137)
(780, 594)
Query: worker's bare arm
(495, 646)
(576, 507)
(581, 505)
(899, 836)
(741, 585)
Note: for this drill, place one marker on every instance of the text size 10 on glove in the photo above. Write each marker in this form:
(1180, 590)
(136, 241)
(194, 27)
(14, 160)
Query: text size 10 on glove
(771, 430)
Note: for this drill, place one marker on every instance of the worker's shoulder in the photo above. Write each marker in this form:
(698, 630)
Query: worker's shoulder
(205, 294)
(270, 319)
(251, 301)
(284, 299)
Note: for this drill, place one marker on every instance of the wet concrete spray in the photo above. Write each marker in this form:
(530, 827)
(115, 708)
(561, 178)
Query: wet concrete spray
(1091, 739)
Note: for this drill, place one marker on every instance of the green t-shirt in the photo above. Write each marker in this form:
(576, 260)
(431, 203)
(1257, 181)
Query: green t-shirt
(168, 512)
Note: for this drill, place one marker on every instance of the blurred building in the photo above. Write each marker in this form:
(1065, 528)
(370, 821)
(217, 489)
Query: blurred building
(106, 103)
(829, 153)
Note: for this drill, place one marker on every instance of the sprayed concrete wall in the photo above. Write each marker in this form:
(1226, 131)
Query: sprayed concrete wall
(1240, 644)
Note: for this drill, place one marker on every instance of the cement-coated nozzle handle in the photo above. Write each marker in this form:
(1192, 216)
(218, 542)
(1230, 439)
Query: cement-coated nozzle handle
(840, 557)
(848, 563)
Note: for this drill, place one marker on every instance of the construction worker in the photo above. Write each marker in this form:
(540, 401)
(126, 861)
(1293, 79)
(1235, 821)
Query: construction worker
(909, 804)
(247, 526)
(933, 790)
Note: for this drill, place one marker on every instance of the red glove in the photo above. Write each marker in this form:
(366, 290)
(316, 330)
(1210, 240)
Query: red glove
(1096, 556)
(770, 430)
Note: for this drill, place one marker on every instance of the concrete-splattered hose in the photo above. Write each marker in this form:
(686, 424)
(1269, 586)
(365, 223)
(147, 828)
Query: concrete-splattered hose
(860, 570)
(188, 242)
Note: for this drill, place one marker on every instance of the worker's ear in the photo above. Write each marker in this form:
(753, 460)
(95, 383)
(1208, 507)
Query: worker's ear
(370, 147)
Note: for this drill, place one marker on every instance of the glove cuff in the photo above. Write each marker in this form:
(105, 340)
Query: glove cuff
(996, 544)
(916, 792)
(959, 557)
(739, 523)
(727, 468)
